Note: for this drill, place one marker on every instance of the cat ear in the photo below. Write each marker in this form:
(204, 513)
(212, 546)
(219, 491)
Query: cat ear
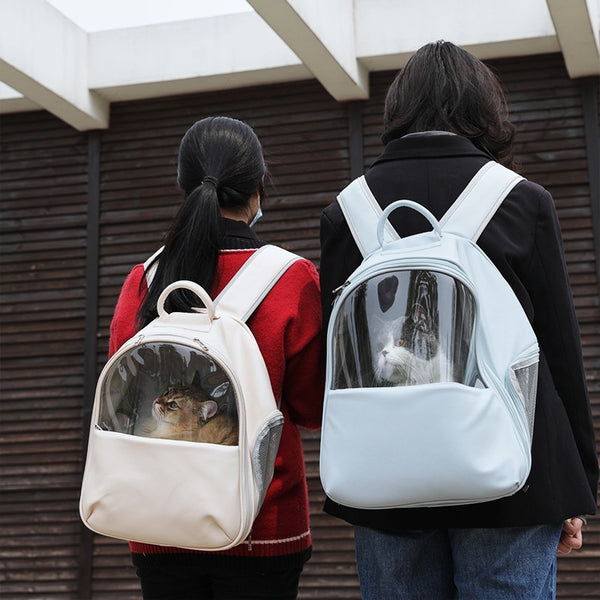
(207, 410)
(197, 380)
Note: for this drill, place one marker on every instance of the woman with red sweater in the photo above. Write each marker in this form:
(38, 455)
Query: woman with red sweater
(221, 171)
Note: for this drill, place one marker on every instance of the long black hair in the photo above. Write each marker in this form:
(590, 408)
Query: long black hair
(220, 164)
(443, 87)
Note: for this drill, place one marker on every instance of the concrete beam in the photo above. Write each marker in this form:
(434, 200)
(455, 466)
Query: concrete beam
(196, 55)
(322, 35)
(12, 101)
(577, 24)
(43, 56)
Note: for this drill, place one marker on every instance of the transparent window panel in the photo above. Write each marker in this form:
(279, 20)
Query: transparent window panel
(405, 328)
(169, 391)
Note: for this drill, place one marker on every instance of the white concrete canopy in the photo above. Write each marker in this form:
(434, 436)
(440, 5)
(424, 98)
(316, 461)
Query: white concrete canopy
(48, 62)
(189, 56)
(44, 56)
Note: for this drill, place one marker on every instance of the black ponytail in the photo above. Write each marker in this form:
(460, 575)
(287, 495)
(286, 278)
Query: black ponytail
(220, 165)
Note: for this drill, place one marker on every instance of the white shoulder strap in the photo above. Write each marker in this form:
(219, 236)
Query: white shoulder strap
(362, 213)
(150, 267)
(468, 216)
(475, 207)
(242, 295)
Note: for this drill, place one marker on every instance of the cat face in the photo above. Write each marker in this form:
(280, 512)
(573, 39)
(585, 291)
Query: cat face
(183, 406)
(390, 357)
(392, 354)
(399, 365)
(189, 414)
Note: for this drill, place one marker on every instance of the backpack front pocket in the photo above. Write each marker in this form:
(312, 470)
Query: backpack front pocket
(406, 447)
(163, 492)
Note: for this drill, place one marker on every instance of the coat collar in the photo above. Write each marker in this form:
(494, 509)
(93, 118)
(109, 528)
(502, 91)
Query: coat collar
(237, 229)
(237, 235)
(429, 144)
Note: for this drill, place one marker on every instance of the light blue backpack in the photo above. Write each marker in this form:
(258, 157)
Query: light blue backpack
(431, 361)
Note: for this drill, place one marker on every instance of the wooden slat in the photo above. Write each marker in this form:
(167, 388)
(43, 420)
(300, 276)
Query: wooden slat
(43, 170)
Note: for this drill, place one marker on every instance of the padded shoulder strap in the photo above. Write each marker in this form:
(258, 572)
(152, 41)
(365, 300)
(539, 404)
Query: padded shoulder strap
(475, 207)
(468, 216)
(362, 213)
(242, 295)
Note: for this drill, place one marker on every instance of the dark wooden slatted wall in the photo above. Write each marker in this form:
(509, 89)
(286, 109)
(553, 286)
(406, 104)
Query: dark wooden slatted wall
(546, 107)
(305, 139)
(43, 174)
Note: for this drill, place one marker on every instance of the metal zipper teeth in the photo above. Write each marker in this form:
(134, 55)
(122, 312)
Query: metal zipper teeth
(443, 267)
(246, 516)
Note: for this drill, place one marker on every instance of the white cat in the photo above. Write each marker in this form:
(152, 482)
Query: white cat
(399, 365)
(409, 347)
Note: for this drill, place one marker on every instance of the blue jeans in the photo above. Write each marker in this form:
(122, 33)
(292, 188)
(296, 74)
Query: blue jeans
(512, 563)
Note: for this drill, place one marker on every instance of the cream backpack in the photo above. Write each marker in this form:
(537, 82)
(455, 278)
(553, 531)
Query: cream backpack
(185, 428)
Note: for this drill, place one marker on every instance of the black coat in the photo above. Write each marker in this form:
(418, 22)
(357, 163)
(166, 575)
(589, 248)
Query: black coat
(523, 240)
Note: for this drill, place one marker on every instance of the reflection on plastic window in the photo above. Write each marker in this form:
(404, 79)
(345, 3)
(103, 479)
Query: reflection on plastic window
(169, 391)
(405, 328)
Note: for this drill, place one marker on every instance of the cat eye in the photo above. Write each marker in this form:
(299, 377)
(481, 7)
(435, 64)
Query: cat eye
(173, 404)
(400, 342)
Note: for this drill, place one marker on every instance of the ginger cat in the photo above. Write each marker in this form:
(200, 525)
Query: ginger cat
(185, 413)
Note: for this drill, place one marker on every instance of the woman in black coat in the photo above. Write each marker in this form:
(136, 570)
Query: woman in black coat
(445, 117)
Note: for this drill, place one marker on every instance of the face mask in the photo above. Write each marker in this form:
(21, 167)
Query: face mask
(257, 216)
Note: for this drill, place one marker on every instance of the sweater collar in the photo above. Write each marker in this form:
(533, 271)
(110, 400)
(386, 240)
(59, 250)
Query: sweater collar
(429, 144)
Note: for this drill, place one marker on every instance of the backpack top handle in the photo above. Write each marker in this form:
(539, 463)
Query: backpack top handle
(405, 204)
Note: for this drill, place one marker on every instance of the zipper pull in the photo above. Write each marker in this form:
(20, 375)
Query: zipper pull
(338, 290)
(250, 542)
(201, 344)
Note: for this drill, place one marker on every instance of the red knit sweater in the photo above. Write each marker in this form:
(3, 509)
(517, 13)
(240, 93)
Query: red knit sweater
(287, 328)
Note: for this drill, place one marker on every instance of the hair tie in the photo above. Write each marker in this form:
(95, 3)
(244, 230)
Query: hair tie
(212, 180)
